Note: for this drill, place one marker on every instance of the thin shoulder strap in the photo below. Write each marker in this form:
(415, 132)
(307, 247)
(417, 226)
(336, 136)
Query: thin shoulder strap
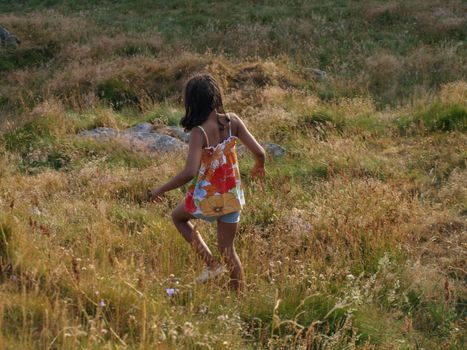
(205, 135)
(230, 125)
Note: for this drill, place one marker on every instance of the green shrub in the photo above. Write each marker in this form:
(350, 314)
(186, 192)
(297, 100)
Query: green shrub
(23, 139)
(438, 118)
(118, 93)
(37, 146)
(11, 59)
(321, 122)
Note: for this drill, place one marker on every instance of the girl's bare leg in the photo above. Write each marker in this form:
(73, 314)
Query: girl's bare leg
(181, 219)
(225, 238)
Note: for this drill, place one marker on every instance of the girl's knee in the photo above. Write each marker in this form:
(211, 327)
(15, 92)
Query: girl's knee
(175, 216)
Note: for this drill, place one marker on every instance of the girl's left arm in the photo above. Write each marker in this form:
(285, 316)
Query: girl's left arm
(193, 161)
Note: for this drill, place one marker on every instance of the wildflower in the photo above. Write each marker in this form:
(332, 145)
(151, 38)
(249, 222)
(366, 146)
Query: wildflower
(13, 278)
(171, 291)
(36, 211)
(223, 317)
(203, 309)
(173, 334)
(188, 329)
(102, 303)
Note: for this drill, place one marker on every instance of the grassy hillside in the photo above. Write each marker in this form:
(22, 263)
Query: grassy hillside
(358, 240)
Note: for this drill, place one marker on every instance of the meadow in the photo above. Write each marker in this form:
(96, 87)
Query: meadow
(358, 240)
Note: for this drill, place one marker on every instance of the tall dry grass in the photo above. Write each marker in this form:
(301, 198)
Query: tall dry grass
(335, 249)
(357, 241)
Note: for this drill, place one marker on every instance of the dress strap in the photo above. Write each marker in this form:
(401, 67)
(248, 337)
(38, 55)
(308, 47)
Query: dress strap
(205, 135)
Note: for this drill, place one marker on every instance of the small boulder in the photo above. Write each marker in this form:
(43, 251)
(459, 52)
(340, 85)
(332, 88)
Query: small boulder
(176, 132)
(320, 74)
(141, 127)
(8, 39)
(140, 136)
(274, 149)
(100, 133)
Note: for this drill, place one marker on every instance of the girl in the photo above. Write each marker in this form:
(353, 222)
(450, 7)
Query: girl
(215, 192)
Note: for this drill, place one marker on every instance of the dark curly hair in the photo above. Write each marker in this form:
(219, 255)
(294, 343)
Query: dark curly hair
(202, 96)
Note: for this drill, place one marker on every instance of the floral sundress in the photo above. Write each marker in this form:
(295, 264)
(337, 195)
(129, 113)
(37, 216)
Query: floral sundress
(217, 189)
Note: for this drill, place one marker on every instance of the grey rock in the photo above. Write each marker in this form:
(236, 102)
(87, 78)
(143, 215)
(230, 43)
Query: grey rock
(167, 139)
(320, 74)
(179, 133)
(176, 132)
(156, 142)
(275, 150)
(141, 127)
(100, 133)
(140, 136)
(6, 38)
(167, 143)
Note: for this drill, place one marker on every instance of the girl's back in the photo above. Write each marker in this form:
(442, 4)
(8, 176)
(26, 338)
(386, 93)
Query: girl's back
(217, 189)
(218, 132)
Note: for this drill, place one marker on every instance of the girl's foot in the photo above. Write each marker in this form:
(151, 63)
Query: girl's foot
(209, 273)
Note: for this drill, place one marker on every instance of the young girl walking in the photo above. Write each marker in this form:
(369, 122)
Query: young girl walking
(215, 192)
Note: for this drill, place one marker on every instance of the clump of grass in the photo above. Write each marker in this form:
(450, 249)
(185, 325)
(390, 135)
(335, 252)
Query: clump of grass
(6, 242)
(37, 141)
(437, 118)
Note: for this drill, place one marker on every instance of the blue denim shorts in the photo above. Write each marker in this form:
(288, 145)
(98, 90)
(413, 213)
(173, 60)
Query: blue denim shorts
(231, 218)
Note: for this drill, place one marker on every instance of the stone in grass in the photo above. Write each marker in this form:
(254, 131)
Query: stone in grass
(100, 133)
(155, 141)
(140, 136)
(275, 150)
(141, 127)
(166, 139)
(176, 132)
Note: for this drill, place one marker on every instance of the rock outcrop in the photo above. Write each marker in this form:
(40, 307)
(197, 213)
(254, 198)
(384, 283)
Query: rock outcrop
(141, 135)
(165, 139)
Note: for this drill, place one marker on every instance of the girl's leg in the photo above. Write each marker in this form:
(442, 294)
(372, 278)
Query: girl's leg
(225, 238)
(181, 220)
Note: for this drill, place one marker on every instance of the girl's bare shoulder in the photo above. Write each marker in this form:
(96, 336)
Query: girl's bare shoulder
(234, 120)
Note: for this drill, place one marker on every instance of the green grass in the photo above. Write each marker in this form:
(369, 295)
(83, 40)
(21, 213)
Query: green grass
(313, 34)
(437, 118)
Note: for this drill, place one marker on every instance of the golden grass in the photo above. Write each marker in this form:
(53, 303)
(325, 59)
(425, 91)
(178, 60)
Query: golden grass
(357, 242)
(92, 260)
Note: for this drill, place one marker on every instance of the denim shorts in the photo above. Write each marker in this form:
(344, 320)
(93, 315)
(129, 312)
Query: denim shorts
(231, 218)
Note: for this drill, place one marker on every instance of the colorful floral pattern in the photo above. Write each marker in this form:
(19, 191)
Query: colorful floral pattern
(217, 189)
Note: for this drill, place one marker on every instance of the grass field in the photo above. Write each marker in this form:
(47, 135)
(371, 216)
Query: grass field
(358, 240)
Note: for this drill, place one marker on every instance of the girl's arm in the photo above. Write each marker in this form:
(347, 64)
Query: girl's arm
(250, 142)
(193, 161)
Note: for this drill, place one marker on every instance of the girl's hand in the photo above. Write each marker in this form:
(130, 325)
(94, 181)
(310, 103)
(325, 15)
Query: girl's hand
(258, 173)
(156, 195)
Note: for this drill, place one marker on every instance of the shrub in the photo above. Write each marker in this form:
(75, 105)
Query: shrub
(437, 118)
(118, 93)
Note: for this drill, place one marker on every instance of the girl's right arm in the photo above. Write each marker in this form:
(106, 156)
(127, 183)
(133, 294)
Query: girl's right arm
(192, 164)
(250, 142)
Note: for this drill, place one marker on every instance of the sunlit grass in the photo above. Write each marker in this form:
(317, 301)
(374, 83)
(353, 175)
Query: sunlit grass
(357, 240)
